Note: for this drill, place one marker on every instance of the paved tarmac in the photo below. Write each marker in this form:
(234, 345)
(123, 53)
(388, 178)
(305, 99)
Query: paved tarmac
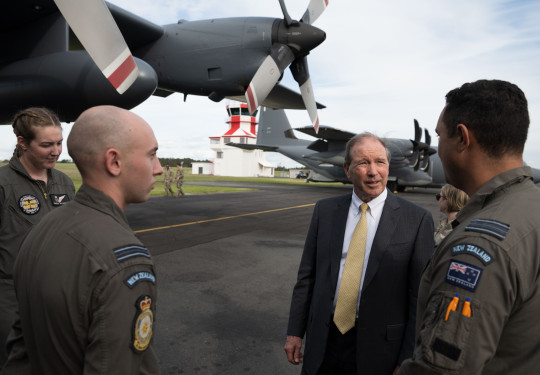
(226, 265)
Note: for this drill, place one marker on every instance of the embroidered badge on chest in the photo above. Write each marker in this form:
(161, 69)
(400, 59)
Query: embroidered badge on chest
(59, 199)
(29, 204)
(464, 275)
(142, 324)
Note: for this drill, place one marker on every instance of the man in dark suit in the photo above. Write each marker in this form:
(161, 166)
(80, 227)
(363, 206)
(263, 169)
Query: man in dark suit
(397, 243)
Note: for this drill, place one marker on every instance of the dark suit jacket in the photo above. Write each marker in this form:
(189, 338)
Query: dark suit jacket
(386, 323)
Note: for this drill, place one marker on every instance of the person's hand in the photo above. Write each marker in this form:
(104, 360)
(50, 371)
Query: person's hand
(292, 348)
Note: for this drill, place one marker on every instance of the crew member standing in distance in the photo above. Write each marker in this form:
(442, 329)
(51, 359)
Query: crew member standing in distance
(355, 298)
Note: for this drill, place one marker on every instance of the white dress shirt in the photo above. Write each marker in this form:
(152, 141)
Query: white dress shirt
(373, 213)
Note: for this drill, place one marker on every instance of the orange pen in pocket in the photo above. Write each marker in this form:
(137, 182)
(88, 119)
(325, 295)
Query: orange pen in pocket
(466, 311)
(452, 306)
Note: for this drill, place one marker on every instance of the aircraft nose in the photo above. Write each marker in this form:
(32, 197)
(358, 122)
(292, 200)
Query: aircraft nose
(299, 36)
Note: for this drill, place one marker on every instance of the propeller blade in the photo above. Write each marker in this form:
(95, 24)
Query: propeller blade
(288, 20)
(427, 137)
(268, 75)
(417, 131)
(96, 29)
(300, 72)
(314, 10)
(309, 100)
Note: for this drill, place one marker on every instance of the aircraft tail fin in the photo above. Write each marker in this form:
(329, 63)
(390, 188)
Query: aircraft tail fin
(274, 128)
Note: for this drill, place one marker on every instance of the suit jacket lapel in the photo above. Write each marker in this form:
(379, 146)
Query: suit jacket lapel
(339, 221)
(387, 225)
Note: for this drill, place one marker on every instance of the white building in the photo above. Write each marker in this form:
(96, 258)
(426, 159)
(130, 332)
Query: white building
(202, 168)
(233, 161)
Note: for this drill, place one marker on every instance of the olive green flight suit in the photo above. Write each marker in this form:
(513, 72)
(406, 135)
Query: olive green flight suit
(87, 292)
(492, 258)
(23, 203)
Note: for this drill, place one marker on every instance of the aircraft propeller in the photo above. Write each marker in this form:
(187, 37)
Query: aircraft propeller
(421, 150)
(294, 41)
(96, 29)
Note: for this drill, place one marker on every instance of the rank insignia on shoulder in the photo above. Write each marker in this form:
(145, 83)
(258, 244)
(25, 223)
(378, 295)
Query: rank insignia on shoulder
(473, 250)
(29, 204)
(137, 277)
(142, 324)
(490, 227)
(464, 275)
(130, 251)
(59, 199)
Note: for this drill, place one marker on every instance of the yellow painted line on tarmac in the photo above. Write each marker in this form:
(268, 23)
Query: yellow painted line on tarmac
(221, 218)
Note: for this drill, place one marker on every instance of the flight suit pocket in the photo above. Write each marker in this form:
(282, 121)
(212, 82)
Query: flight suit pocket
(444, 341)
(23, 221)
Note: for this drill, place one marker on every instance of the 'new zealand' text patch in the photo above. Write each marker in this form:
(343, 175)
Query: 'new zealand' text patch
(140, 276)
(476, 251)
(464, 275)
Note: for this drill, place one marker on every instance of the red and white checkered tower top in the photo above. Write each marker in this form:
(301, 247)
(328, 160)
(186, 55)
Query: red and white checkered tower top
(241, 123)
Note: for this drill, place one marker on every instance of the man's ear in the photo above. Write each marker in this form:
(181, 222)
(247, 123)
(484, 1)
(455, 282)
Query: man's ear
(463, 137)
(113, 163)
(346, 168)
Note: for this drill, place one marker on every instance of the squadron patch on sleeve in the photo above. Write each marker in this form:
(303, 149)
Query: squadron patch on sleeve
(142, 324)
(59, 199)
(473, 250)
(29, 204)
(464, 275)
(137, 277)
(130, 251)
(490, 227)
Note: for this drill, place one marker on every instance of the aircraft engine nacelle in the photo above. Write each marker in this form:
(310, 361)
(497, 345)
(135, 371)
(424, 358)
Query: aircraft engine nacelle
(68, 83)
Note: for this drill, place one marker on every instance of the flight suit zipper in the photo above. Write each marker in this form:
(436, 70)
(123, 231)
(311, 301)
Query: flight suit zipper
(40, 184)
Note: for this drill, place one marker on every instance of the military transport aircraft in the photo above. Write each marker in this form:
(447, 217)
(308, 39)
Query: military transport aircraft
(44, 63)
(413, 163)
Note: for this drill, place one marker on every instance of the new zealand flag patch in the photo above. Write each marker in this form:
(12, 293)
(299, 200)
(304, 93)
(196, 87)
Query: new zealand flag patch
(464, 275)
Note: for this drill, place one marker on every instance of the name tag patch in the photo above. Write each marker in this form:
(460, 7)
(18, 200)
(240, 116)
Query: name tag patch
(138, 277)
(464, 275)
(473, 250)
(29, 204)
(59, 199)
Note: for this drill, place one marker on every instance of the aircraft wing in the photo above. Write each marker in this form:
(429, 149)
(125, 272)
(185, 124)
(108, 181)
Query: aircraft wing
(327, 132)
(253, 147)
(280, 97)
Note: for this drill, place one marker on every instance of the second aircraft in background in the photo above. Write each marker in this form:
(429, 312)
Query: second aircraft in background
(413, 163)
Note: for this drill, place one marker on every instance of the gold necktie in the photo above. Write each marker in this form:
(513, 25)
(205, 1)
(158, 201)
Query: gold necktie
(345, 313)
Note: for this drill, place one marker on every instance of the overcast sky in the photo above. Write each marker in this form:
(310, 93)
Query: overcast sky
(383, 64)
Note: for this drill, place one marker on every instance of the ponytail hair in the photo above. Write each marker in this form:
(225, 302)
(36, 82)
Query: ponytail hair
(25, 122)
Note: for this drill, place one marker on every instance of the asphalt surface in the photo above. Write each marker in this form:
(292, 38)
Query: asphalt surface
(226, 265)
